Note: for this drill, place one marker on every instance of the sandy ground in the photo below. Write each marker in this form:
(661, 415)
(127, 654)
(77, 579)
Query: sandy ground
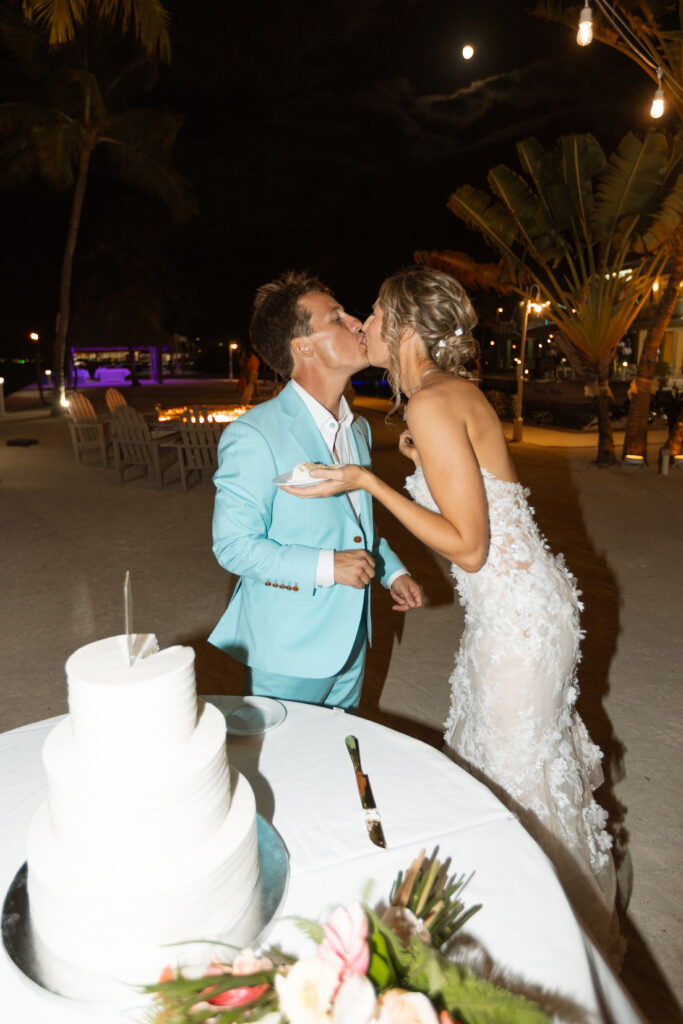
(70, 532)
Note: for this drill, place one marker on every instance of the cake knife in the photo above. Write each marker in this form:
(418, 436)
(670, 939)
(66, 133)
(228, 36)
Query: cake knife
(373, 822)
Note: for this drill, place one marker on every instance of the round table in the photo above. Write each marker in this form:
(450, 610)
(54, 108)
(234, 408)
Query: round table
(304, 784)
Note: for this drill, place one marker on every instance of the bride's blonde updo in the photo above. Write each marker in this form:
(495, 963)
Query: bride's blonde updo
(436, 306)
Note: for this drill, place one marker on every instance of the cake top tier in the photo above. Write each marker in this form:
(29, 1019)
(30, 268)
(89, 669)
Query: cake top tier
(138, 706)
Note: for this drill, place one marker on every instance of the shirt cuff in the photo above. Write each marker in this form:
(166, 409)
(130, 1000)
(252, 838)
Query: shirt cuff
(395, 576)
(324, 573)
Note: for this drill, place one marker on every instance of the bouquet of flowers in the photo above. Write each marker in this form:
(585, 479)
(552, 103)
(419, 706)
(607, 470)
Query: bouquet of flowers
(366, 969)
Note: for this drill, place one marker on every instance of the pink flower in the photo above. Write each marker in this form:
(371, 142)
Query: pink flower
(345, 945)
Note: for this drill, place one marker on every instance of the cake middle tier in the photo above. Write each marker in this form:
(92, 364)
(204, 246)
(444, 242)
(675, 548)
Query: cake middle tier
(138, 804)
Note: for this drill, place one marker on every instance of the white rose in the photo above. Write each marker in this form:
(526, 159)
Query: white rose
(356, 1001)
(399, 1007)
(306, 991)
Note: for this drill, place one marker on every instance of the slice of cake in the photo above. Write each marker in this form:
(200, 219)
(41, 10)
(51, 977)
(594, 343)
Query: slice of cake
(146, 837)
(302, 472)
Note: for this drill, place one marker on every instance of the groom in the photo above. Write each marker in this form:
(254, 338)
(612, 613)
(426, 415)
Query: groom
(299, 617)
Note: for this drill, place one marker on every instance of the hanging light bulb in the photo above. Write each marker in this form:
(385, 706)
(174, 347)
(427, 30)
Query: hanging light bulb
(585, 33)
(657, 108)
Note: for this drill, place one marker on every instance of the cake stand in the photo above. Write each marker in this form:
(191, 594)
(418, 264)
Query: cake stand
(42, 968)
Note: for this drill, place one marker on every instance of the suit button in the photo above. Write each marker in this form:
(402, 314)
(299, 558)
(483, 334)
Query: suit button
(357, 540)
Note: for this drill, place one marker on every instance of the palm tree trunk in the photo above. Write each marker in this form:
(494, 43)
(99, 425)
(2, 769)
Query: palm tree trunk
(606, 455)
(635, 439)
(675, 442)
(62, 327)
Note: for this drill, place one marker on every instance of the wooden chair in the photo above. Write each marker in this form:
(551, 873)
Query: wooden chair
(197, 448)
(134, 445)
(114, 399)
(87, 433)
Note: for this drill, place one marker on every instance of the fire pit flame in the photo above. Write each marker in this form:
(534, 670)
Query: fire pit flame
(207, 414)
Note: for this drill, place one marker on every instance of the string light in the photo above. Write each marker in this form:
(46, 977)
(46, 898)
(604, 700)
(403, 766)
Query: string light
(641, 47)
(585, 34)
(657, 108)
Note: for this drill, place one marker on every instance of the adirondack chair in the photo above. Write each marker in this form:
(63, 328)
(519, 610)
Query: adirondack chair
(114, 399)
(134, 445)
(87, 434)
(197, 448)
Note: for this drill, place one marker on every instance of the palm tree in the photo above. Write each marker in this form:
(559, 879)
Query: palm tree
(590, 233)
(656, 27)
(62, 19)
(80, 102)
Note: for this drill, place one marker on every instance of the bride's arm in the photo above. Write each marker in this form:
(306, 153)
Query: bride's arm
(460, 533)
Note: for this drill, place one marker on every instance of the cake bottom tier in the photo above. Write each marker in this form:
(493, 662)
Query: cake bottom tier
(95, 919)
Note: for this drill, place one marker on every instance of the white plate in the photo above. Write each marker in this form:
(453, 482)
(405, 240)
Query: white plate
(249, 716)
(286, 478)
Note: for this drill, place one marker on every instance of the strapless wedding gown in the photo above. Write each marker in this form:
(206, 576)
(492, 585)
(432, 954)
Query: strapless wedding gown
(512, 720)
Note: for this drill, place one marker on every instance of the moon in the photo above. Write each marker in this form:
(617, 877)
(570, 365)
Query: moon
(468, 52)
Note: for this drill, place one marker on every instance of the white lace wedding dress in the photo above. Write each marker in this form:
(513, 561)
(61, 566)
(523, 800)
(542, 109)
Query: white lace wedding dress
(512, 719)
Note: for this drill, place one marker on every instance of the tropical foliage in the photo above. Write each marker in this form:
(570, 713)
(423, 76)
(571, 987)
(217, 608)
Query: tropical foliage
(63, 19)
(73, 100)
(367, 969)
(655, 31)
(590, 232)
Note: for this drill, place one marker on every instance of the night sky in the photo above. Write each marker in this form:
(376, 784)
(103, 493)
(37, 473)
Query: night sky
(321, 135)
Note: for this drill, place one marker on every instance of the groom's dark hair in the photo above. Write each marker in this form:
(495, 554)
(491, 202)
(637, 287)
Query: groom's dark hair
(278, 316)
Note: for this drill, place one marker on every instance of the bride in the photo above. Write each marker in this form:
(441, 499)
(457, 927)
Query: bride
(512, 718)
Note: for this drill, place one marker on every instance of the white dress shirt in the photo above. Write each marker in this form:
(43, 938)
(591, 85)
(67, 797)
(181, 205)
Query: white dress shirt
(337, 437)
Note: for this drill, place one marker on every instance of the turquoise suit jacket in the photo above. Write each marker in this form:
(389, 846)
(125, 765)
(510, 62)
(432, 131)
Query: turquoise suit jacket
(277, 620)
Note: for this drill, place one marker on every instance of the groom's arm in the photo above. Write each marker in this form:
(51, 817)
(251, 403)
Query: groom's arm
(389, 569)
(243, 513)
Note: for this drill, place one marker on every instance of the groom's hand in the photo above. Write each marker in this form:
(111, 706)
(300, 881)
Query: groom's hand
(353, 568)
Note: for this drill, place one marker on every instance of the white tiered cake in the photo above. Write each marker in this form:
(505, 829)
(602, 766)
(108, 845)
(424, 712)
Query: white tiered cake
(147, 837)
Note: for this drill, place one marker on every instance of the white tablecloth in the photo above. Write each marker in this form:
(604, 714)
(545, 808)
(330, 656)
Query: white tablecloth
(304, 784)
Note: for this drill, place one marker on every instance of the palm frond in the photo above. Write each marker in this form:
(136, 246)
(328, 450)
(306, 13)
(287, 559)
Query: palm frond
(486, 215)
(39, 140)
(582, 160)
(18, 162)
(139, 142)
(147, 19)
(545, 172)
(631, 183)
(666, 223)
(28, 49)
(89, 100)
(487, 276)
(534, 227)
(58, 150)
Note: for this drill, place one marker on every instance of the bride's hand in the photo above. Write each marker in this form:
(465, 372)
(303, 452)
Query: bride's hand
(335, 481)
(406, 446)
